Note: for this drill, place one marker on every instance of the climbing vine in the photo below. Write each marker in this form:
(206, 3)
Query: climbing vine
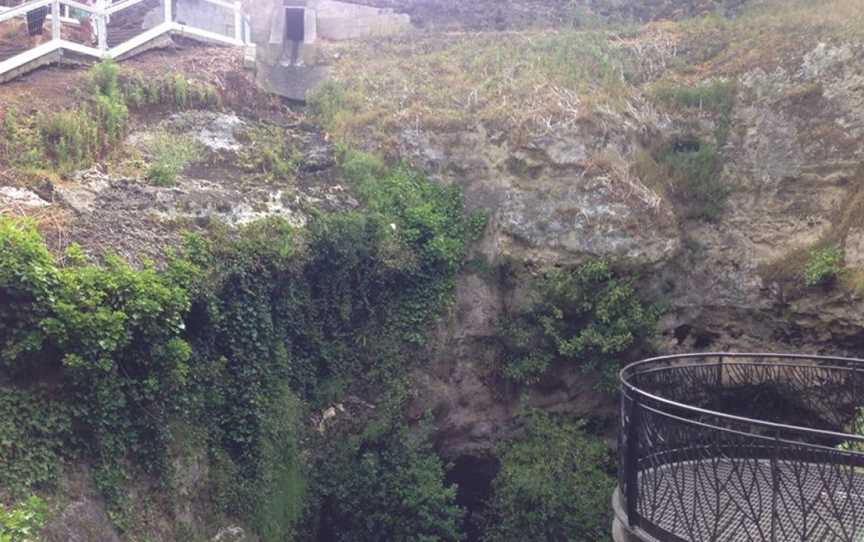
(234, 331)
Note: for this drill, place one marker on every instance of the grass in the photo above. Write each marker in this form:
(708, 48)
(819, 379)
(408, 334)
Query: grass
(169, 155)
(268, 153)
(688, 173)
(522, 79)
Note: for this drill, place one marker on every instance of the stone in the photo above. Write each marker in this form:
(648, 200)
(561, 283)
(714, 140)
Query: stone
(82, 520)
(232, 534)
(12, 196)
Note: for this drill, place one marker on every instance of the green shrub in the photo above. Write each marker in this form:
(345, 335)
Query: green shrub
(24, 521)
(28, 279)
(169, 155)
(588, 315)
(552, 486)
(174, 91)
(386, 485)
(823, 266)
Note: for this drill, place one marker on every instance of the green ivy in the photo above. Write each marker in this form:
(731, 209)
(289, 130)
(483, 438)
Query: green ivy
(35, 435)
(239, 330)
(24, 521)
(387, 484)
(587, 315)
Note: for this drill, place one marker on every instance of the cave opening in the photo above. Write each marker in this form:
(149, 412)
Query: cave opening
(473, 477)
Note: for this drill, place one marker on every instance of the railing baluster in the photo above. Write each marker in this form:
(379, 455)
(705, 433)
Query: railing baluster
(631, 469)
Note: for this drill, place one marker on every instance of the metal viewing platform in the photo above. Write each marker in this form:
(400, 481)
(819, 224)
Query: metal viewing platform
(741, 447)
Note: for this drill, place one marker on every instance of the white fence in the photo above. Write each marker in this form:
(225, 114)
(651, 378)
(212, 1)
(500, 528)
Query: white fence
(111, 28)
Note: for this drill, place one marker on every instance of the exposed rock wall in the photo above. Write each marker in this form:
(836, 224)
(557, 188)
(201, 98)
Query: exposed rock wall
(794, 161)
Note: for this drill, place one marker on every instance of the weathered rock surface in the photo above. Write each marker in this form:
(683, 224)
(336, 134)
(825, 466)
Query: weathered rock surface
(794, 159)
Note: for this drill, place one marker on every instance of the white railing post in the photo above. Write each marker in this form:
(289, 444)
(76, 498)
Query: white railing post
(55, 21)
(238, 22)
(102, 26)
(169, 14)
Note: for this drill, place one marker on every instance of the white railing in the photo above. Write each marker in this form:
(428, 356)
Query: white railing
(215, 21)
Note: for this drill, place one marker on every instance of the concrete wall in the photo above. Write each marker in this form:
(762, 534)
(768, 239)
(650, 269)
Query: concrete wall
(342, 21)
(206, 16)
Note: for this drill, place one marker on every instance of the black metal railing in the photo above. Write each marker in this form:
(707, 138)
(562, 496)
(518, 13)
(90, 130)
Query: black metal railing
(752, 447)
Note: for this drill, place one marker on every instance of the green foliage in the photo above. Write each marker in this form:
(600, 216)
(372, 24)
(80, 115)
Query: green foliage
(169, 155)
(28, 279)
(387, 484)
(552, 486)
(114, 333)
(236, 333)
(24, 521)
(19, 144)
(74, 139)
(170, 90)
(714, 96)
(268, 153)
(327, 103)
(69, 139)
(587, 315)
(690, 173)
(425, 216)
(34, 430)
(823, 266)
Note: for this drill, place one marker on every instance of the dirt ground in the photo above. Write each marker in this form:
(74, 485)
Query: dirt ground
(127, 216)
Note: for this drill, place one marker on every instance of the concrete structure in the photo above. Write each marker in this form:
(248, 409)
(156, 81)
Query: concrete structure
(287, 34)
(119, 28)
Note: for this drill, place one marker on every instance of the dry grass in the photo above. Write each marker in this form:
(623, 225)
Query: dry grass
(535, 80)
(525, 79)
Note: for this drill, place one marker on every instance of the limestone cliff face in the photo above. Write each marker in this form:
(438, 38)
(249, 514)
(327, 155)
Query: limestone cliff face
(793, 159)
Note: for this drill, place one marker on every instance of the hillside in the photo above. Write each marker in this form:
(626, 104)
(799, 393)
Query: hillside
(424, 278)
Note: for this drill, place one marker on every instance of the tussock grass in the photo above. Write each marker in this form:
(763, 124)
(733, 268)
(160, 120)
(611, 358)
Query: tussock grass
(525, 79)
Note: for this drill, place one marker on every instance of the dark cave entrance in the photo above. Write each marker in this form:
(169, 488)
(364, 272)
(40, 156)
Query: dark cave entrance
(295, 24)
(473, 478)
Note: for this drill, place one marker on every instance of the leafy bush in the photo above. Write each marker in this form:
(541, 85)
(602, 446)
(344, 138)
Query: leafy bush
(386, 485)
(169, 154)
(823, 266)
(587, 315)
(24, 521)
(552, 486)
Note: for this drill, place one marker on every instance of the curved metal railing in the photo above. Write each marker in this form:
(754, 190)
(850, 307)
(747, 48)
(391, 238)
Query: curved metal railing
(724, 447)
